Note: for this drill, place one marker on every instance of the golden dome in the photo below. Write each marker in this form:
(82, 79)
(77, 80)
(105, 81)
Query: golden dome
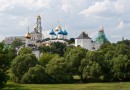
(28, 36)
(39, 17)
(57, 28)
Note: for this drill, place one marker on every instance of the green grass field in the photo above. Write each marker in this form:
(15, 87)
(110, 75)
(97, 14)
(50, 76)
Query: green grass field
(87, 86)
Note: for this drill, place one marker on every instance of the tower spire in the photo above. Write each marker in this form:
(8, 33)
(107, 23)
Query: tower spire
(28, 28)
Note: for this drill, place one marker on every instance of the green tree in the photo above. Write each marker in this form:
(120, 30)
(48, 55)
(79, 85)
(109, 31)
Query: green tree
(17, 42)
(71, 41)
(91, 71)
(73, 57)
(45, 58)
(54, 48)
(21, 64)
(36, 75)
(58, 70)
(108, 53)
(91, 65)
(6, 56)
(122, 49)
(25, 50)
(121, 68)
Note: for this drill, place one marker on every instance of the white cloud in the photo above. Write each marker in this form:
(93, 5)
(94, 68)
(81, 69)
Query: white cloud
(66, 7)
(94, 34)
(4, 4)
(46, 34)
(24, 22)
(28, 4)
(2, 37)
(104, 7)
(76, 15)
(121, 25)
(115, 36)
(31, 4)
(95, 8)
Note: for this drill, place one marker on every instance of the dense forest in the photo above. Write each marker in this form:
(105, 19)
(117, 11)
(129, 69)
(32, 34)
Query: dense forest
(60, 63)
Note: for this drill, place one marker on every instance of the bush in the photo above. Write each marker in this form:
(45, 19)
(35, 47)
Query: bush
(36, 75)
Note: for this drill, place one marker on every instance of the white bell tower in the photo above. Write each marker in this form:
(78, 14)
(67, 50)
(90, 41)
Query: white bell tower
(39, 28)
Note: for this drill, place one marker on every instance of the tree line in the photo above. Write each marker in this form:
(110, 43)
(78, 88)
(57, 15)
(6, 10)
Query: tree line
(60, 63)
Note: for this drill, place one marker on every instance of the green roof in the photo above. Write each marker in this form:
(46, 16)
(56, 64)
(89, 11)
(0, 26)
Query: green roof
(101, 38)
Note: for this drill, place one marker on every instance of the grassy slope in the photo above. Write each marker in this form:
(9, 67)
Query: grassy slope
(88, 86)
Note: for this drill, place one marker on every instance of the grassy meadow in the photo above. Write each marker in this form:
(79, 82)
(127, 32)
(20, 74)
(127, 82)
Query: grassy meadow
(87, 86)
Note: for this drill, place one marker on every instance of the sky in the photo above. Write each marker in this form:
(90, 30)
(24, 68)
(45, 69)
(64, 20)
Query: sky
(73, 15)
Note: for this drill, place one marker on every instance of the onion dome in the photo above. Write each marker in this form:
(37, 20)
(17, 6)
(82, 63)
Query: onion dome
(65, 32)
(57, 28)
(60, 32)
(52, 32)
(28, 36)
(39, 17)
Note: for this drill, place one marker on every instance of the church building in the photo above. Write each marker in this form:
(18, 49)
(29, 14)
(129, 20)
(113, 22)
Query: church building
(36, 35)
(86, 42)
(58, 33)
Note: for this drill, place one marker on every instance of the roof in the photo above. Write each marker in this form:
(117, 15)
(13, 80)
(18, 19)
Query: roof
(60, 31)
(52, 41)
(101, 37)
(57, 28)
(65, 32)
(34, 32)
(52, 32)
(83, 35)
(9, 40)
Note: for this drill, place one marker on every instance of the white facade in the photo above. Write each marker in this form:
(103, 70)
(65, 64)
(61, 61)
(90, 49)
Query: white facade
(96, 46)
(65, 36)
(35, 37)
(59, 33)
(9, 40)
(60, 36)
(53, 41)
(27, 42)
(84, 41)
(52, 36)
(37, 53)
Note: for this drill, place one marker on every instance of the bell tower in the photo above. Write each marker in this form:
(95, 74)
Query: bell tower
(39, 28)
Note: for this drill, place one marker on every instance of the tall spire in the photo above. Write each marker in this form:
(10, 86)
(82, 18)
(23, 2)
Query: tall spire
(28, 28)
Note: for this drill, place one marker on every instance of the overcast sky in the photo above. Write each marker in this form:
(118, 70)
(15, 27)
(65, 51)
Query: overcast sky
(74, 15)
